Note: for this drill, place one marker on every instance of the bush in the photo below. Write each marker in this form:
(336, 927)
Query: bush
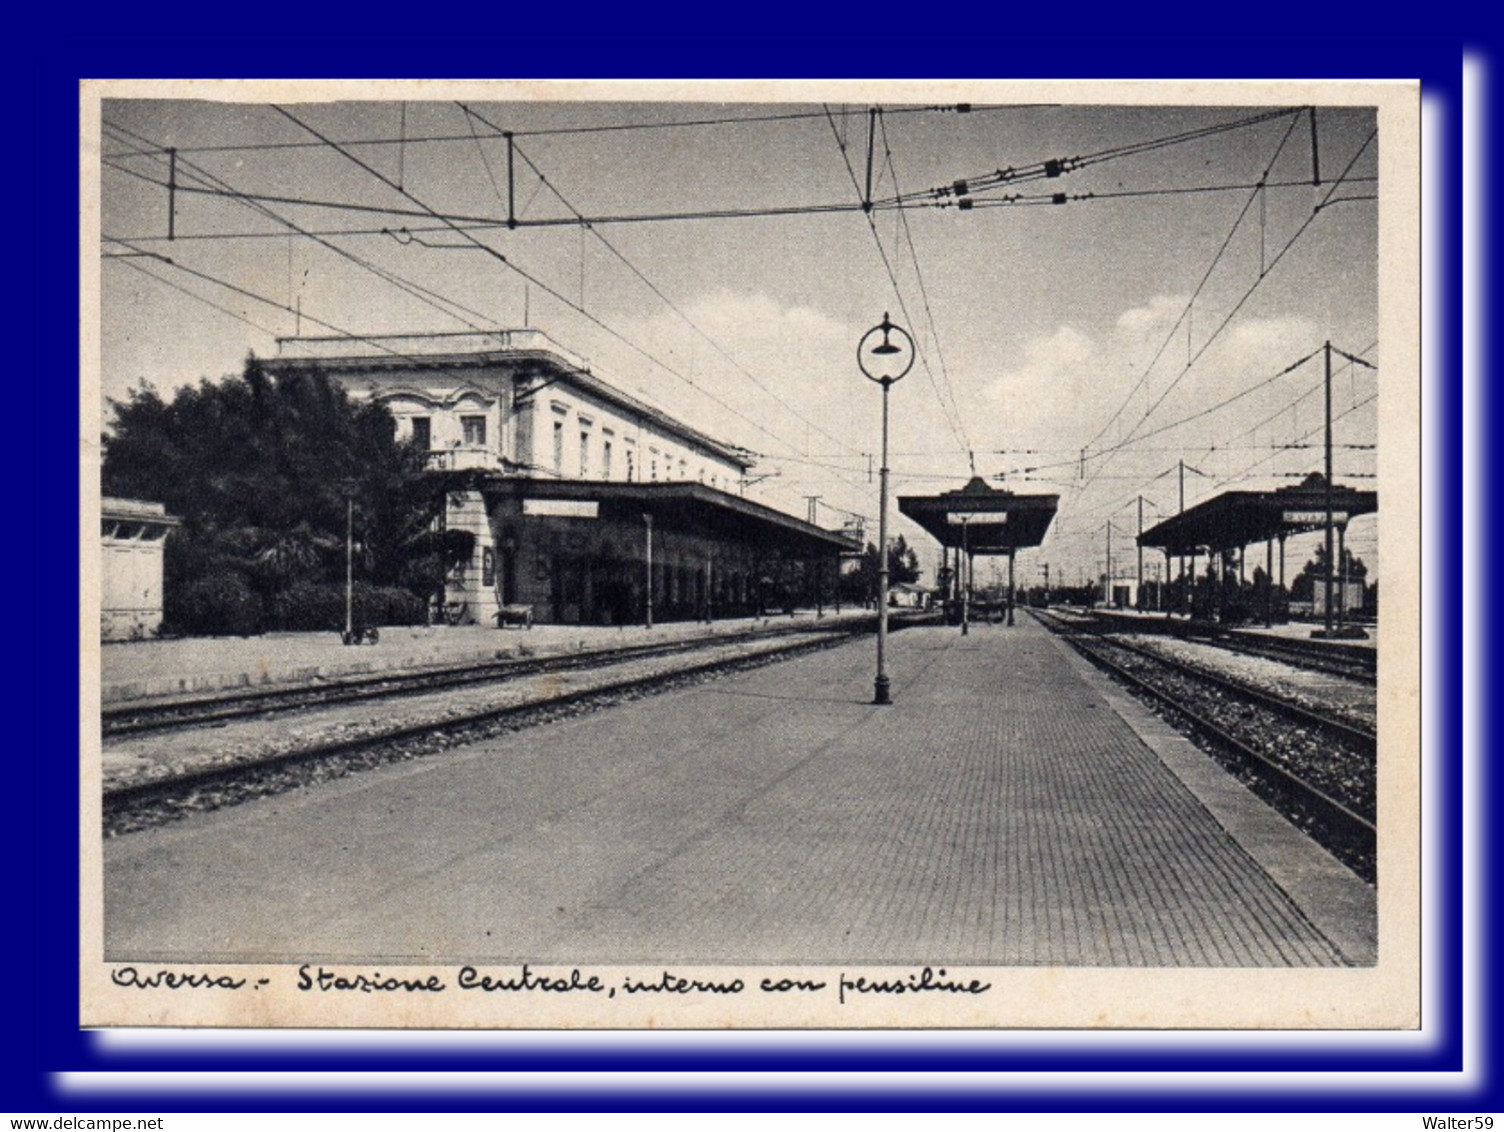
(320, 606)
(220, 604)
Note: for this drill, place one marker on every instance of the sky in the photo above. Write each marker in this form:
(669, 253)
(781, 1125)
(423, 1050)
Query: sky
(1083, 348)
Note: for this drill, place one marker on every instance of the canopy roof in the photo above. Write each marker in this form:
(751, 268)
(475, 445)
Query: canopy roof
(684, 506)
(1238, 518)
(983, 519)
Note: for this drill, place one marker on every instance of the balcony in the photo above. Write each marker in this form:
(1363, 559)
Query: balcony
(463, 460)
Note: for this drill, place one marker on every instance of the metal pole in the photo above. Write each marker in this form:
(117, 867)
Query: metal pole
(349, 567)
(511, 185)
(1268, 583)
(1184, 600)
(1107, 588)
(1010, 585)
(1282, 571)
(871, 139)
(648, 590)
(885, 351)
(1140, 601)
(172, 193)
(966, 585)
(880, 691)
(1330, 564)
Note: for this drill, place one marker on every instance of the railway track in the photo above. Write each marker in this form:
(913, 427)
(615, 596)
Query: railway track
(1320, 772)
(1354, 662)
(407, 733)
(181, 712)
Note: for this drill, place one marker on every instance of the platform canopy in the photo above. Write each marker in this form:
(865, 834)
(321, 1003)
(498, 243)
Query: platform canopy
(985, 520)
(687, 506)
(1240, 518)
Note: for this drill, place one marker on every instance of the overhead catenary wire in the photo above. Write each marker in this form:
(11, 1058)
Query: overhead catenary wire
(544, 286)
(924, 295)
(1058, 166)
(556, 131)
(1195, 294)
(814, 208)
(470, 114)
(957, 430)
(442, 303)
(1273, 450)
(381, 272)
(1197, 415)
(137, 266)
(421, 225)
(492, 224)
(1238, 305)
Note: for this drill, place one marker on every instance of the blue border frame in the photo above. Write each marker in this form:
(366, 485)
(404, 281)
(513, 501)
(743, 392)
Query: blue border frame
(40, 831)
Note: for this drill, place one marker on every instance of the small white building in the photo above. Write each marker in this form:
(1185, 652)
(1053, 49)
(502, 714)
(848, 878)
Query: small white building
(133, 535)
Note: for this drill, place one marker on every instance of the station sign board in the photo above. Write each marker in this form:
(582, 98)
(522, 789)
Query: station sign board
(1312, 518)
(993, 518)
(562, 508)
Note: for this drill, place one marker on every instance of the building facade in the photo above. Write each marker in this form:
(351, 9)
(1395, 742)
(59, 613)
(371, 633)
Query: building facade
(586, 504)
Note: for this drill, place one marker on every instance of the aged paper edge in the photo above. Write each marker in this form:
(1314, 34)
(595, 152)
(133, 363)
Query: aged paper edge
(1385, 996)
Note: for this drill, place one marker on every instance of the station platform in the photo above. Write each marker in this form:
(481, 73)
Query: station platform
(1012, 807)
(136, 670)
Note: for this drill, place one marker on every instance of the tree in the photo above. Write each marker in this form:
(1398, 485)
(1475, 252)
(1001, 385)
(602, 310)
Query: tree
(261, 470)
(903, 566)
(1313, 574)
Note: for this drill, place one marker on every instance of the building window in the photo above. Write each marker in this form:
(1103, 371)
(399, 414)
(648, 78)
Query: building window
(422, 434)
(605, 459)
(684, 469)
(584, 455)
(559, 447)
(631, 470)
(475, 431)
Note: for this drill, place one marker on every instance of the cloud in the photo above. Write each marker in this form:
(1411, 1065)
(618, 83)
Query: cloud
(1043, 394)
(1157, 315)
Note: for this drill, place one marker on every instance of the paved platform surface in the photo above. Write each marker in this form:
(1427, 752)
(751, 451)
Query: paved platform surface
(1010, 808)
(133, 670)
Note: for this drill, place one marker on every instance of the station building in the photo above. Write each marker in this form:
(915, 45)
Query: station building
(586, 504)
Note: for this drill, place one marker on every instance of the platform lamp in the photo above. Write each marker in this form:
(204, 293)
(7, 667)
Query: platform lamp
(884, 363)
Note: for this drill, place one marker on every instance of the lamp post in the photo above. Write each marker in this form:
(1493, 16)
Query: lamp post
(884, 363)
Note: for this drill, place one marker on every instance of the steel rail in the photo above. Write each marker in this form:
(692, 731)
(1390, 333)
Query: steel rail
(179, 713)
(1355, 663)
(126, 795)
